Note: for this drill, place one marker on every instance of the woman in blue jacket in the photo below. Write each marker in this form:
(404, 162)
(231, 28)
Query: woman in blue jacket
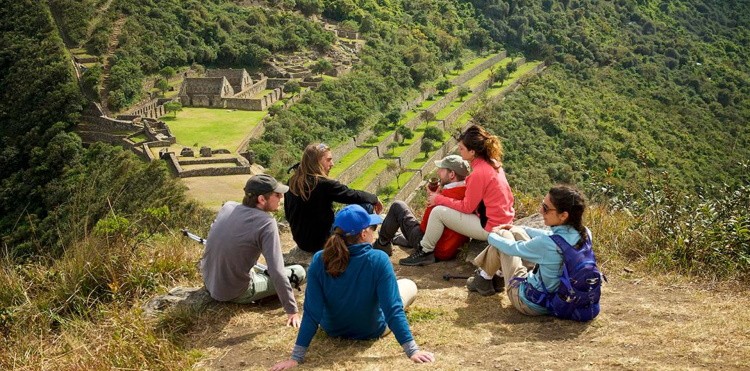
(352, 290)
(562, 210)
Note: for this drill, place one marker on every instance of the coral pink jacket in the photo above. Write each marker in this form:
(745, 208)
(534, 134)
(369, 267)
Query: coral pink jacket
(487, 184)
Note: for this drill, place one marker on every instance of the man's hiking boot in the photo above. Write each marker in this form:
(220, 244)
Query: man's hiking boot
(386, 248)
(480, 284)
(400, 240)
(498, 283)
(418, 258)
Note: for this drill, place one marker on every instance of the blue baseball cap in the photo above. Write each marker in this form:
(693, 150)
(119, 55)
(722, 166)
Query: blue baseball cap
(352, 219)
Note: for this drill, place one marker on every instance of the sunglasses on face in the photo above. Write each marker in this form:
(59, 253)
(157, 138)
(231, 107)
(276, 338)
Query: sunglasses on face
(546, 208)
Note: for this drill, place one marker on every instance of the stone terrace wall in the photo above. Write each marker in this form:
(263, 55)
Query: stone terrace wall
(110, 124)
(273, 83)
(468, 75)
(244, 104)
(353, 172)
(383, 179)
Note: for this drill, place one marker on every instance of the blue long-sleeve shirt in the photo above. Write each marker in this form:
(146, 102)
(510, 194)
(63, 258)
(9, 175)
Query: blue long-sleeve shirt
(541, 250)
(358, 304)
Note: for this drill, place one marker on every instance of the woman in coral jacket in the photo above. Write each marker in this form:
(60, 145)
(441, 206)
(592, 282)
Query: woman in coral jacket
(488, 201)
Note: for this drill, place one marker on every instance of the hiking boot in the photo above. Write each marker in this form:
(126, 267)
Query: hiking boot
(386, 248)
(498, 283)
(400, 240)
(418, 258)
(480, 284)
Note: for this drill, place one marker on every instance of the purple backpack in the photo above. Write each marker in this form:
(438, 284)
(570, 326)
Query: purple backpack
(577, 297)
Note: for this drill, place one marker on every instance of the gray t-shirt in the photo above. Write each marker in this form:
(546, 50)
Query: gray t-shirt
(237, 238)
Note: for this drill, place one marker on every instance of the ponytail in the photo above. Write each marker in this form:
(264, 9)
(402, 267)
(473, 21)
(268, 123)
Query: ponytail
(485, 145)
(336, 252)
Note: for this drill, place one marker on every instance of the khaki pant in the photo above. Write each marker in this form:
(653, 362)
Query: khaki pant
(407, 289)
(491, 259)
(443, 217)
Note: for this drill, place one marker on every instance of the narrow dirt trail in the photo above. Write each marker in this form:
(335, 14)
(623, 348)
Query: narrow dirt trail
(112, 45)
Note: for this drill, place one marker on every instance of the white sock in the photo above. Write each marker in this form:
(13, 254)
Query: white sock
(499, 273)
(484, 275)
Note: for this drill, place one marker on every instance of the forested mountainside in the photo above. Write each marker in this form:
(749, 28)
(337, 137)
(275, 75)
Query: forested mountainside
(633, 89)
(644, 105)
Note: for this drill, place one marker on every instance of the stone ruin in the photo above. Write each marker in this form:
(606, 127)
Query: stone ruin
(228, 88)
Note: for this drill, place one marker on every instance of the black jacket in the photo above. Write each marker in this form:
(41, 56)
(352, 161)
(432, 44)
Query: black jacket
(311, 220)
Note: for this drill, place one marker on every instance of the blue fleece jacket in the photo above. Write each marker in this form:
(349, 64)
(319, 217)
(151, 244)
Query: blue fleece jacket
(358, 304)
(541, 250)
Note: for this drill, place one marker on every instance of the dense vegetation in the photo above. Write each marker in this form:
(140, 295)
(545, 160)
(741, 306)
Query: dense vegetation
(178, 33)
(407, 46)
(637, 87)
(54, 191)
(644, 105)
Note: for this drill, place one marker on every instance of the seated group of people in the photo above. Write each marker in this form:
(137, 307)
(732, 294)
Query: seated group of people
(352, 290)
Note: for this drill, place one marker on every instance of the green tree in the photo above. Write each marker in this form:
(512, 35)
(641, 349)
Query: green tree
(427, 146)
(167, 72)
(173, 107)
(393, 116)
(392, 146)
(463, 92)
(459, 65)
(502, 75)
(162, 85)
(428, 116)
(292, 87)
(321, 66)
(433, 133)
(405, 133)
(511, 67)
(443, 85)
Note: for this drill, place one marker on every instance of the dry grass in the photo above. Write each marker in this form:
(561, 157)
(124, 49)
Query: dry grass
(648, 321)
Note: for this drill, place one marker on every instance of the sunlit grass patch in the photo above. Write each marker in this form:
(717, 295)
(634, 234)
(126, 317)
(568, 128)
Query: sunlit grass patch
(212, 127)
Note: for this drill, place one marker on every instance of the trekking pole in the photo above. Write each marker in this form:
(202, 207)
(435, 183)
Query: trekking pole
(203, 241)
(449, 277)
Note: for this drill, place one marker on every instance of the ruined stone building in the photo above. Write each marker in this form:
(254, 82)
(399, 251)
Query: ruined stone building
(228, 88)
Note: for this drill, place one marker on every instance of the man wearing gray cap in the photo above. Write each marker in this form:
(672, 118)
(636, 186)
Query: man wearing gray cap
(452, 170)
(240, 233)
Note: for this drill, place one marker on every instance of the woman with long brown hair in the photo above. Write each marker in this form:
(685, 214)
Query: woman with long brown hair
(308, 204)
(352, 291)
(488, 201)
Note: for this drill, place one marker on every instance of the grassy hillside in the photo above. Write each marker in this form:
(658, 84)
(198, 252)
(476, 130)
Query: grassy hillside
(644, 105)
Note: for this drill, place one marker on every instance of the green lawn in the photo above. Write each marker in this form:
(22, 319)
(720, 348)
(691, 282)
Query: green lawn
(370, 174)
(212, 127)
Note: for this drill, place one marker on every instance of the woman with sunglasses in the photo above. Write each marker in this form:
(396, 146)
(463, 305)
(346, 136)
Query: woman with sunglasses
(308, 205)
(352, 291)
(488, 201)
(562, 210)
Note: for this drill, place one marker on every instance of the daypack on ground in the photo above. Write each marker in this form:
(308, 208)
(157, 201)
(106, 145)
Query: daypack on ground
(577, 297)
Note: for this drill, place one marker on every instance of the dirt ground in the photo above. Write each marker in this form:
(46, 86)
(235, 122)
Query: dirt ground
(647, 322)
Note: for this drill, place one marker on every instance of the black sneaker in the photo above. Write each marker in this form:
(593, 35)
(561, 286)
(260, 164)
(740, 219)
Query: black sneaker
(386, 248)
(498, 283)
(480, 284)
(419, 258)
